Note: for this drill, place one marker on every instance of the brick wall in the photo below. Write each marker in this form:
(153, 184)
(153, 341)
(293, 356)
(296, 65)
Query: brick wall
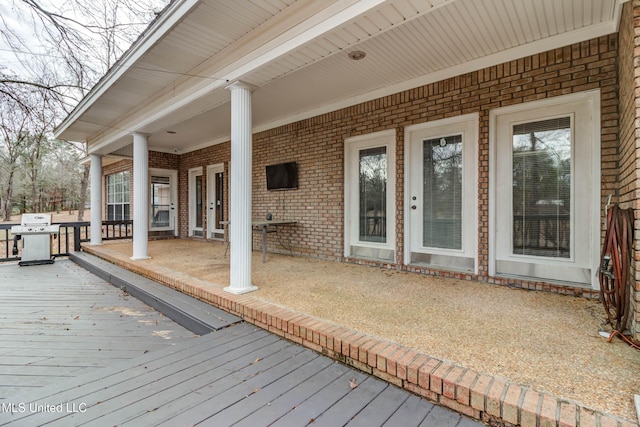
(156, 160)
(317, 145)
(220, 153)
(629, 169)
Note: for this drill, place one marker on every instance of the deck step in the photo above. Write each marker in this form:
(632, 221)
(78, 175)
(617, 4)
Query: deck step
(191, 313)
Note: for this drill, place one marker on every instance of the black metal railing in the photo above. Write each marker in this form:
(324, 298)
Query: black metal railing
(373, 226)
(542, 235)
(71, 236)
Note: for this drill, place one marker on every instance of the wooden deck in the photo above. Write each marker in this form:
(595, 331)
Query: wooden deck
(235, 375)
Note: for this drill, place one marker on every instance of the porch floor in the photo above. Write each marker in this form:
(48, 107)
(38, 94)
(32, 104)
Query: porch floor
(540, 341)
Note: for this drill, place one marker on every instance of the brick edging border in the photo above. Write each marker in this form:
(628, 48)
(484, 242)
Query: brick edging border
(493, 400)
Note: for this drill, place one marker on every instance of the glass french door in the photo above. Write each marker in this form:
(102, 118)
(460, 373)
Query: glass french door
(215, 201)
(196, 202)
(370, 196)
(162, 199)
(546, 189)
(442, 193)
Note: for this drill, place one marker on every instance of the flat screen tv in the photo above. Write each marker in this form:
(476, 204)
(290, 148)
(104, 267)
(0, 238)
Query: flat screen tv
(282, 176)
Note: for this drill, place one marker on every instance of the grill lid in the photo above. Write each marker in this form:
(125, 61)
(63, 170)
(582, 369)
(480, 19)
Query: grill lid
(35, 224)
(35, 219)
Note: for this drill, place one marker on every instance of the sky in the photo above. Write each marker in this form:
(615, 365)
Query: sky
(20, 23)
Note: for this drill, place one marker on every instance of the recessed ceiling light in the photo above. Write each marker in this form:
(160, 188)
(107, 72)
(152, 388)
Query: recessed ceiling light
(357, 55)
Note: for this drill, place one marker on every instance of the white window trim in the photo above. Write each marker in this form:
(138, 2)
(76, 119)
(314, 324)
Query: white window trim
(173, 176)
(385, 139)
(193, 172)
(593, 98)
(107, 204)
(434, 129)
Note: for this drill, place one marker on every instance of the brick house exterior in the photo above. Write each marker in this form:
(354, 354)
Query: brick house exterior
(608, 64)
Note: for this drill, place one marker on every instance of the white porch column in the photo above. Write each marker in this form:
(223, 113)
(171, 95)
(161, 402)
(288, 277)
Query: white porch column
(140, 197)
(240, 197)
(96, 199)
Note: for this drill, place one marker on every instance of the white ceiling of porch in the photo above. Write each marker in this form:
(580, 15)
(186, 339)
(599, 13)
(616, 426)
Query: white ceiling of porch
(407, 42)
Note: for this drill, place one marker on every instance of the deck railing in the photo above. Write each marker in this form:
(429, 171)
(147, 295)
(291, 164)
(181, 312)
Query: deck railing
(72, 234)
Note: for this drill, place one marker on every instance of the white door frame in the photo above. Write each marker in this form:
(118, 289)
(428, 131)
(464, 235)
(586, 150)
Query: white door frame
(193, 172)
(212, 170)
(468, 126)
(353, 246)
(585, 108)
(173, 208)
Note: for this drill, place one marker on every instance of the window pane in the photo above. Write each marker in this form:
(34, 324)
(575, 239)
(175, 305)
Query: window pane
(373, 195)
(219, 186)
(118, 196)
(442, 188)
(198, 201)
(160, 191)
(542, 188)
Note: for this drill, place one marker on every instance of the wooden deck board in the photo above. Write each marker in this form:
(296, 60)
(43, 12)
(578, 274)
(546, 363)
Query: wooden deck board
(438, 416)
(351, 404)
(290, 400)
(411, 412)
(53, 316)
(121, 374)
(263, 395)
(380, 408)
(195, 397)
(194, 314)
(234, 393)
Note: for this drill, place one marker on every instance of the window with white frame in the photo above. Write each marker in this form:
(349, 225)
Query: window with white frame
(118, 196)
(370, 196)
(545, 189)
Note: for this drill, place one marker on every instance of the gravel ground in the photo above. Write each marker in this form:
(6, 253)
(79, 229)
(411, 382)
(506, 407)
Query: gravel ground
(547, 341)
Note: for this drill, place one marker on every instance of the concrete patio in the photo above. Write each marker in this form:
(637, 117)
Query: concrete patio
(493, 353)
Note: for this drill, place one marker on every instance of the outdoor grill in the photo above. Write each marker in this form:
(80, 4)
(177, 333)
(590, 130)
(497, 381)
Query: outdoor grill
(36, 232)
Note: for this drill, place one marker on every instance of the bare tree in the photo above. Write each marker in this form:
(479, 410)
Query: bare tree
(77, 42)
(14, 127)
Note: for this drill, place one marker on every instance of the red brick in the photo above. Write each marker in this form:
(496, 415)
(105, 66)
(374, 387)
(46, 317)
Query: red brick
(607, 421)
(568, 415)
(494, 398)
(414, 388)
(510, 404)
(458, 407)
(392, 360)
(463, 388)
(587, 417)
(354, 345)
(437, 377)
(372, 355)
(365, 348)
(404, 362)
(425, 371)
(548, 411)
(414, 366)
(529, 409)
(451, 381)
(383, 355)
(479, 390)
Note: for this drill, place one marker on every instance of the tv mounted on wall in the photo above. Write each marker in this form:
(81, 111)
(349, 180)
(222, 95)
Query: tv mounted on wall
(282, 176)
